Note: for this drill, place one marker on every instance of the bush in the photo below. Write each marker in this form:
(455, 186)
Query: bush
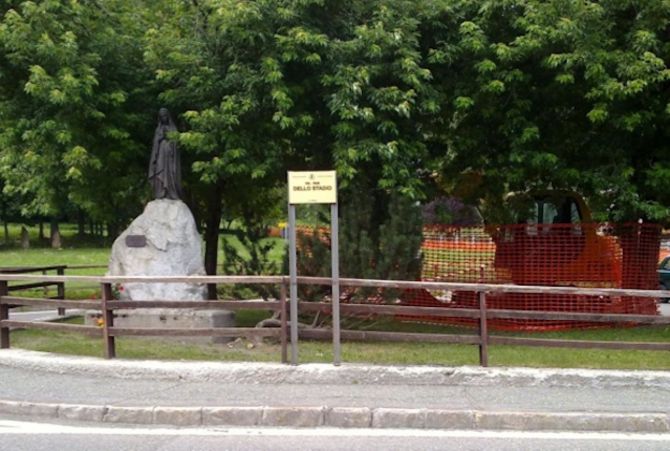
(372, 246)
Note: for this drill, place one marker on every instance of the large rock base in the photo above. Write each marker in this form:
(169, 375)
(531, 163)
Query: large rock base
(173, 319)
(162, 241)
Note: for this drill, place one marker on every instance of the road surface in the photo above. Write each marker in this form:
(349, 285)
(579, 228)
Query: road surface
(30, 436)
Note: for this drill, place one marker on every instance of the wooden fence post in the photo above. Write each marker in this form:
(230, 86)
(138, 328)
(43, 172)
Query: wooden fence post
(108, 321)
(4, 315)
(283, 322)
(483, 331)
(45, 290)
(60, 286)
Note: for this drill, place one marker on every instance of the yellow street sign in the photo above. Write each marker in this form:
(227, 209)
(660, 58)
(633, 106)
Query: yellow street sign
(312, 187)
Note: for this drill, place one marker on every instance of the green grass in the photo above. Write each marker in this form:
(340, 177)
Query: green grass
(372, 352)
(368, 352)
(75, 251)
(48, 257)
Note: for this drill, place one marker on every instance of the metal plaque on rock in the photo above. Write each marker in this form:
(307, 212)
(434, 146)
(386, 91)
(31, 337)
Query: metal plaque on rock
(136, 240)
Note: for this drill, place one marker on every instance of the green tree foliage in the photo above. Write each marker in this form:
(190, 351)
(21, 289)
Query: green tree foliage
(381, 246)
(251, 258)
(268, 86)
(73, 96)
(569, 94)
(213, 62)
(401, 97)
(253, 254)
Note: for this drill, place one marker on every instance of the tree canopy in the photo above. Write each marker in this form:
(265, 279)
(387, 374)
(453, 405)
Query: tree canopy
(420, 98)
(73, 108)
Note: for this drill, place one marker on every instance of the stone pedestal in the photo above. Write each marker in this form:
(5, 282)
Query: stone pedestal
(171, 318)
(162, 241)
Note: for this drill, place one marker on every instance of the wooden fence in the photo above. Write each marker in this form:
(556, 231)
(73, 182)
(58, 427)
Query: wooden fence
(481, 338)
(60, 286)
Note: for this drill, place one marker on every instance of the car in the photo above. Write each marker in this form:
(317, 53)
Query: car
(664, 276)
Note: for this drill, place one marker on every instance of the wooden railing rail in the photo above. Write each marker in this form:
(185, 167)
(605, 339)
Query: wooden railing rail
(369, 283)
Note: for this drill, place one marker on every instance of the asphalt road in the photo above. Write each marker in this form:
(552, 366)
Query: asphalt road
(27, 436)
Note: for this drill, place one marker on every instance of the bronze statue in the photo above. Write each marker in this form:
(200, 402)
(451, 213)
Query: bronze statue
(164, 166)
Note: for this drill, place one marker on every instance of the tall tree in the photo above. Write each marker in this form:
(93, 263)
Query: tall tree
(73, 95)
(219, 64)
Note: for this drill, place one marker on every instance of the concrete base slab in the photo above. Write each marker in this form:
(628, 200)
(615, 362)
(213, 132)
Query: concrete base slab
(170, 318)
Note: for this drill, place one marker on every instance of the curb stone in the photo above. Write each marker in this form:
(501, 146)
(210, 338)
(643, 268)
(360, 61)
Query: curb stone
(81, 412)
(450, 419)
(129, 415)
(349, 417)
(231, 416)
(178, 416)
(399, 418)
(346, 417)
(293, 416)
(29, 409)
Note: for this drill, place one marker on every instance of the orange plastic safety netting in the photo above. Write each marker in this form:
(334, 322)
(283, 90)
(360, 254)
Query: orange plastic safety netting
(589, 255)
(575, 255)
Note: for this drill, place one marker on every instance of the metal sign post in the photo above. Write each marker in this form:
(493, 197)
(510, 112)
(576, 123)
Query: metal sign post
(335, 274)
(293, 287)
(317, 187)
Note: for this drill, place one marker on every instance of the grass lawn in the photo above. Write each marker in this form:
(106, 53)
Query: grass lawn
(372, 352)
(65, 256)
(368, 352)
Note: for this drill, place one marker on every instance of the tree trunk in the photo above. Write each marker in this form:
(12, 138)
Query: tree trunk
(212, 224)
(55, 235)
(6, 232)
(41, 231)
(196, 211)
(112, 230)
(81, 224)
(25, 238)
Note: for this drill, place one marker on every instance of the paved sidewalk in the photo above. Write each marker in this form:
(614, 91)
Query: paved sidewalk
(267, 394)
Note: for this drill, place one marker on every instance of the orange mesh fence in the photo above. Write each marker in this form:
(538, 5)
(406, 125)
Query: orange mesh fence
(573, 255)
(589, 255)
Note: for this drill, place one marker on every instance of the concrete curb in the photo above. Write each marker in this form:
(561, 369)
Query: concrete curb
(342, 417)
(276, 373)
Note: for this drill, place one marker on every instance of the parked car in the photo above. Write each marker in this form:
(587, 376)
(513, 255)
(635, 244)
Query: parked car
(664, 276)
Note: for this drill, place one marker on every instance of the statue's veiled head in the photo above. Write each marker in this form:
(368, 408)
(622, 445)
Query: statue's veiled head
(164, 116)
